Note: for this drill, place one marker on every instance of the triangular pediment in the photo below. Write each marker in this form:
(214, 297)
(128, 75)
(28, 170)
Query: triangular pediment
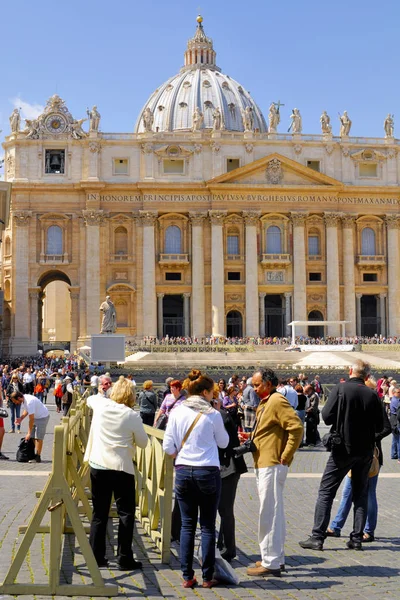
(275, 170)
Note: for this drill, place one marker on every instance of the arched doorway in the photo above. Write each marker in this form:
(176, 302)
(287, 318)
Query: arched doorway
(370, 322)
(234, 324)
(316, 331)
(54, 308)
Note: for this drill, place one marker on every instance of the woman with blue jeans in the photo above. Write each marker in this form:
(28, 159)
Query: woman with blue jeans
(347, 495)
(194, 432)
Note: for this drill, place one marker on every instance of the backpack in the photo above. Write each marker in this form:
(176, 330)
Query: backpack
(26, 450)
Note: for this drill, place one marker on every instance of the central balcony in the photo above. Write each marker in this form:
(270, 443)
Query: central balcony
(367, 261)
(276, 260)
(173, 259)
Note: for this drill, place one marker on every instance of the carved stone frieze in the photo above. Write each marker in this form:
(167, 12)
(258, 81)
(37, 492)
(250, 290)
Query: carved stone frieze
(368, 155)
(197, 148)
(93, 217)
(332, 219)
(314, 220)
(215, 147)
(298, 148)
(251, 217)
(10, 168)
(392, 221)
(249, 148)
(197, 218)
(171, 151)
(273, 172)
(147, 148)
(298, 219)
(22, 217)
(234, 219)
(217, 216)
(234, 297)
(345, 150)
(329, 148)
(148, 217)
(95, 147)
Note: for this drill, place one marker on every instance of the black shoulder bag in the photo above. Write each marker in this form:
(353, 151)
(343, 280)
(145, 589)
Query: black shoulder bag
(333, 439)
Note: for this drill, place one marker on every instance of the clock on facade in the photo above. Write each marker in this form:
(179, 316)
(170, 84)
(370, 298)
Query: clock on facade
(56, 123)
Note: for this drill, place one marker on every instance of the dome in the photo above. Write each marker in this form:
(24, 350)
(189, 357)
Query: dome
(200, 97)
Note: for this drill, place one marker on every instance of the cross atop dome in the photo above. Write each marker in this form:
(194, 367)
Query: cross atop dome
(200, 52)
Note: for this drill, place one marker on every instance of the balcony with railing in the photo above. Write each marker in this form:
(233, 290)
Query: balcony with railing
(54, 259)
(173, 259)
(276, 260)
(234, 257)
(367, 261)
(314, 257)
(121, 257)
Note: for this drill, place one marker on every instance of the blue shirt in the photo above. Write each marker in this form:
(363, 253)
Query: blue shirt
(394, 405)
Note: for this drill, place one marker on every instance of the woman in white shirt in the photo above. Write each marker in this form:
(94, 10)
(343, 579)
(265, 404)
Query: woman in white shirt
(115, 431)
(194, 432)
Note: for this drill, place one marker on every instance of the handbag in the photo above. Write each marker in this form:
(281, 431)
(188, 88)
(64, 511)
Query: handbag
(26, 450)
(375, 467)
(333, 439)
(3, 413)
(161, 422)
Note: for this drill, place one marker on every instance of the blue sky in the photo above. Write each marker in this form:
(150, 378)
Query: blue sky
(314, 55)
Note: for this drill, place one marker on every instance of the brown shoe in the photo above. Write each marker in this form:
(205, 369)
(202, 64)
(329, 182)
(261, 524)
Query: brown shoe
(259, 564)
(263, 572)
(210, 584)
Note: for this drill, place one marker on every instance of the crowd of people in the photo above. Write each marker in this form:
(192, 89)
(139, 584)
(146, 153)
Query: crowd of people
(262, 341)
(209, 428)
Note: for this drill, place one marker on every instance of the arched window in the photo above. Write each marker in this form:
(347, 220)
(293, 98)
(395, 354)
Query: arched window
(368, 247)
(54, 240)
(7, 247)
(120, 241)
(232, 243)
(173, 238)
(313, 245)
(274, 240)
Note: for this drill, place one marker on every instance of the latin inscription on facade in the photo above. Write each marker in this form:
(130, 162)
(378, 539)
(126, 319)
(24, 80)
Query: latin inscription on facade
(275, 277)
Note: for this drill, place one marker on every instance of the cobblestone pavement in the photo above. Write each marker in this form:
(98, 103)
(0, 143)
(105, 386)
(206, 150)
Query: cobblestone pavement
(335, 573)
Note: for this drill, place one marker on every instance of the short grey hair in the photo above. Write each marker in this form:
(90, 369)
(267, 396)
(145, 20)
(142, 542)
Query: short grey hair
(168, 380)
(361, 368)
(103, 378)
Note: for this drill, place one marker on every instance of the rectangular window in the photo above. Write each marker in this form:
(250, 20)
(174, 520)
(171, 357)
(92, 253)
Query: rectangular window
(368, 170)
(54, 162)
(314, 165)
(314, 277)
(120, 166)
(232, 164)
(313, 245)
(370, 276)
(233, 275)
(232, 244)
(173, 166)
(173, 276)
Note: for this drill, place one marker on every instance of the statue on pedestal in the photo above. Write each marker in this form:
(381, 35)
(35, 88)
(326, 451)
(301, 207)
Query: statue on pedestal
(148, 119)
(325, 120)
(15, 120)
(274, 117)
(198, 119)
(109, 322)
(217, 120)
(389, 126)
(94, 119)
(247, 116)
(76, 129)
(345, 124)
(296, 125)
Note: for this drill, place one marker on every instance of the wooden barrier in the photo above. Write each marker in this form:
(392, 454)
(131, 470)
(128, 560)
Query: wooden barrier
(58, 500)
(154, 483)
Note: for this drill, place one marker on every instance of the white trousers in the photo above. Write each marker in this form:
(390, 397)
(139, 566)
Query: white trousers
(271, 524)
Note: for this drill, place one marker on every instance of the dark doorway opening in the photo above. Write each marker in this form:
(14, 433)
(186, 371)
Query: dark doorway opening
(234, 324)
(173, 320)
(274, 316)
(370, 322)
(316, 331)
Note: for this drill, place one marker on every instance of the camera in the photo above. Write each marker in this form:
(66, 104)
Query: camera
(247, 446)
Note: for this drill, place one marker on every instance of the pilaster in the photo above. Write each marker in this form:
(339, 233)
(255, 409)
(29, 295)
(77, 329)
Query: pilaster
(349, 288)
(148, 219)
(332, 271)
(198, 294)
(217, 272)
(393, 245)
(252, 322)
(93, 220)
(299, 269)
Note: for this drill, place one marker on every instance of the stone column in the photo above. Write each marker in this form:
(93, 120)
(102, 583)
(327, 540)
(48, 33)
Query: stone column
(74, 294)
(186, 314)
(217, 272)
(94, 149)
(299, 270)
(288, 312)
(93, 219)
(332, 272)
(198, 293)
(382, 313)
(393, 275)
(34, 313)
(22, 342)
(160, 316)
(149, 274)
(261, 297)
(358, 313)
(252, 320)
(349, 285)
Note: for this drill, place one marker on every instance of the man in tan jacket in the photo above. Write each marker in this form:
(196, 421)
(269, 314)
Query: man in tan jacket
(277, 435)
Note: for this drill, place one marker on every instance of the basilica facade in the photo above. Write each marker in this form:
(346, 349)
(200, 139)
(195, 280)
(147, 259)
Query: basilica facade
(204, 220)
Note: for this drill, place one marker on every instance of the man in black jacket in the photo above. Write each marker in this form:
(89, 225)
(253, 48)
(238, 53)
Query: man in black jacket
(360, 418)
